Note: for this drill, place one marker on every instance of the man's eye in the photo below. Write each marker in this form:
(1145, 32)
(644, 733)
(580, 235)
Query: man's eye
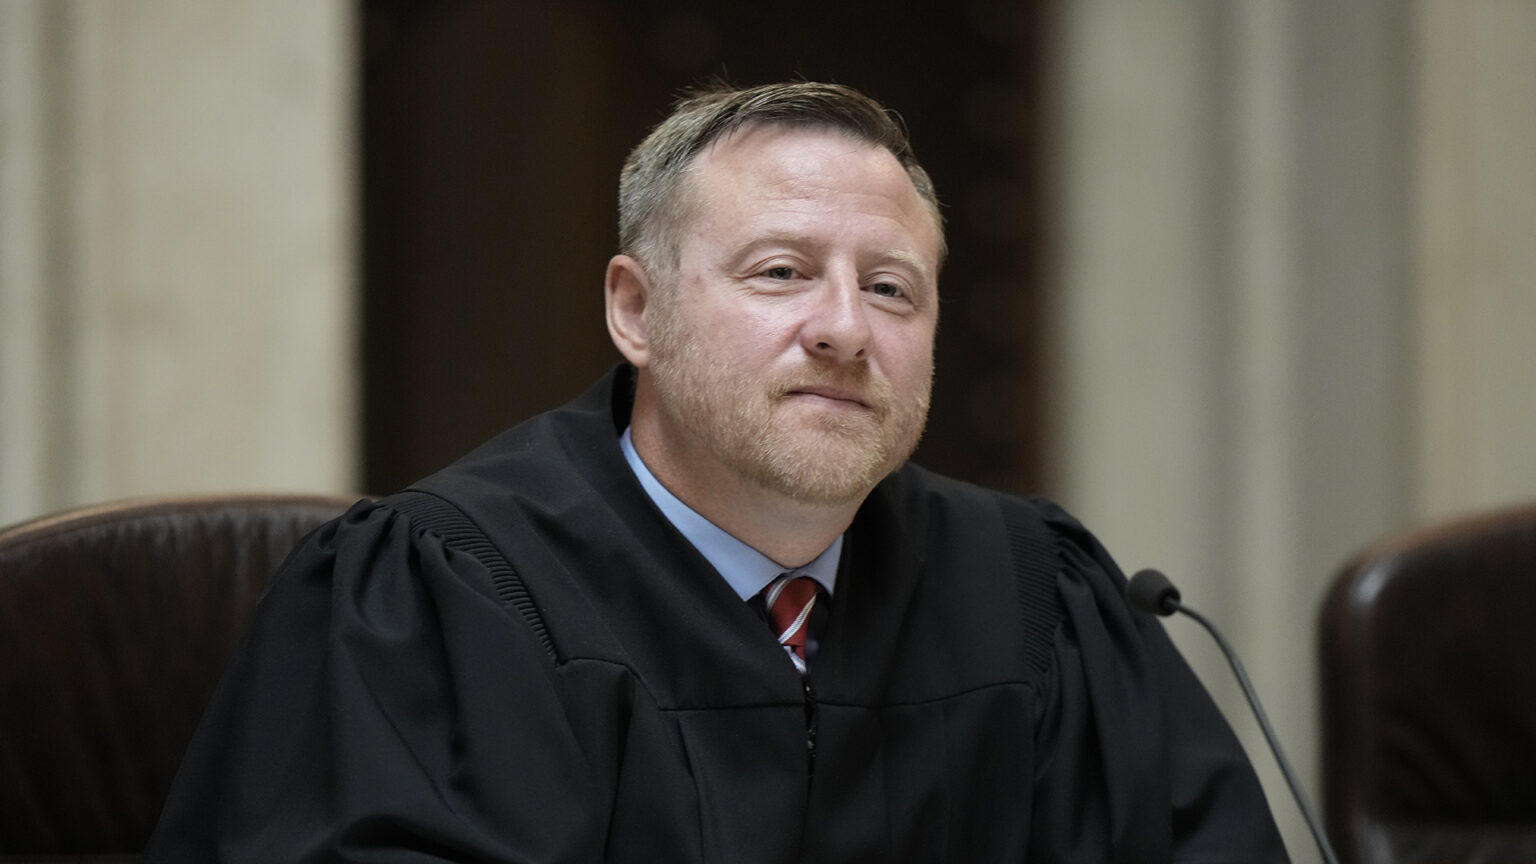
(780, 272)
(886, 289)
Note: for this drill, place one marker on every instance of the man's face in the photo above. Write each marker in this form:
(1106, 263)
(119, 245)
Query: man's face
(793, 347)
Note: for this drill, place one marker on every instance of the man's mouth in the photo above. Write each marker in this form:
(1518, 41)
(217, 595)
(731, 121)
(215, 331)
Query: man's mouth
(845, 396)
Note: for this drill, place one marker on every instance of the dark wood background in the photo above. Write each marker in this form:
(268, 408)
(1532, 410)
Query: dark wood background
(492, 136)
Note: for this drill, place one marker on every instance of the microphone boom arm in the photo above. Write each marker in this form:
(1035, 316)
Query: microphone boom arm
(1269, 732)
(1151, 592)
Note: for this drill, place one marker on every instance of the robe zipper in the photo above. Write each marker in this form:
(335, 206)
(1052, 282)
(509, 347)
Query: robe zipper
(810, 727)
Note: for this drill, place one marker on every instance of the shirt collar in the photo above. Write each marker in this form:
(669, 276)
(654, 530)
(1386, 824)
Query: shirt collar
(747, 570)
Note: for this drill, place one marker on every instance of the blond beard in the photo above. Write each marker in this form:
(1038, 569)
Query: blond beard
(744, 420)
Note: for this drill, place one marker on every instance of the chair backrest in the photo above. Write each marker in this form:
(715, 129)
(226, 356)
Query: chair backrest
(1427, 660)
(116, 622)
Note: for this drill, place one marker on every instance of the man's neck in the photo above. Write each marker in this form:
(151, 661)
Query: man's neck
(789, 531)
(791, 534)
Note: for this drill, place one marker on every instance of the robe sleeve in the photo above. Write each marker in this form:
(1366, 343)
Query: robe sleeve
(386, 707)
(1136, 763)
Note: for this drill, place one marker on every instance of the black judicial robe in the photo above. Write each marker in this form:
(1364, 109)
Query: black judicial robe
(581, 686)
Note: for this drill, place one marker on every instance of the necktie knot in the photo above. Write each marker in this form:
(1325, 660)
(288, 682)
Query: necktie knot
(789, 600)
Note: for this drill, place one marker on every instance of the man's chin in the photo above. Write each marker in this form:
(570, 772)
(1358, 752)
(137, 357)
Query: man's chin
(831, 467)
(821, 490)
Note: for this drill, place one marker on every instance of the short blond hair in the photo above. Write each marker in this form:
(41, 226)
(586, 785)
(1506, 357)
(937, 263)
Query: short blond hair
(650, 186)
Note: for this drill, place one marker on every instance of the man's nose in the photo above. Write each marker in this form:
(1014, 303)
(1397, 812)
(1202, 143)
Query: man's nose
(837, 324)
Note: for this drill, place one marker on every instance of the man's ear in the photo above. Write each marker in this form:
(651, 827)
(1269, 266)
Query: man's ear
(626, 291)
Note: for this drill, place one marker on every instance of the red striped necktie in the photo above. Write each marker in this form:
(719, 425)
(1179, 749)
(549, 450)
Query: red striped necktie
(789, 600)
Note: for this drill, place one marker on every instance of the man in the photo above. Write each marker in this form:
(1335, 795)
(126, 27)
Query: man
(706, 612)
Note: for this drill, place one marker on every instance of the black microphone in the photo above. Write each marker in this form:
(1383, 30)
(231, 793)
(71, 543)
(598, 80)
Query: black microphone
(1151, 592)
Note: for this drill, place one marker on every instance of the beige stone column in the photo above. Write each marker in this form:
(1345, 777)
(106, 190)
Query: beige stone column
(1475, 203)
(1237, 313)
(176, 249)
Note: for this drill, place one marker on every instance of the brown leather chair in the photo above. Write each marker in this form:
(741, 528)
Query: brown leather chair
(1428, 675)
(115, 624)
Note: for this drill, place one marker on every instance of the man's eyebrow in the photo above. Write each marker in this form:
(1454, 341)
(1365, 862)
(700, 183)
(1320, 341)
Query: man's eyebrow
(909, 260)
(774, 238)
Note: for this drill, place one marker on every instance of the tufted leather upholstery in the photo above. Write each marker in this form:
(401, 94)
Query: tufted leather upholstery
(1428, 674)
(115, 624)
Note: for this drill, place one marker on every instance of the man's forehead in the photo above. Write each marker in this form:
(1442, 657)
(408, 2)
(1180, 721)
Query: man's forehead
(726, 165)
(785, 161)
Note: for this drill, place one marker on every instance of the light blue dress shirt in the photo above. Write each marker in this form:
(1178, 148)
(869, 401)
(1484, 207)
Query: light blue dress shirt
(747, 570)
